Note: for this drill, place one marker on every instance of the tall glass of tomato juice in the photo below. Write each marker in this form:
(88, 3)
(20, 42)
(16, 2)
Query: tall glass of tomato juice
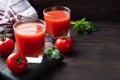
(57, 20)
(30, 38)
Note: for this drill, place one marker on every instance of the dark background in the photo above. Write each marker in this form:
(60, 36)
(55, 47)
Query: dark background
(91, 9)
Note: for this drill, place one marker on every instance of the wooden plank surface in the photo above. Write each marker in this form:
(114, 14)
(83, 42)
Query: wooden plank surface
(95, 57)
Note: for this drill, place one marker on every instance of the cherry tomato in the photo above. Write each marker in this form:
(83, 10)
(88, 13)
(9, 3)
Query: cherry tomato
(65, 45)
(6, 46)
(16, 63)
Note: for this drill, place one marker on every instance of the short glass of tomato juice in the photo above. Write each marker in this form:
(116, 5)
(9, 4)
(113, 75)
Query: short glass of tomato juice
(57, 20)
(30, 39)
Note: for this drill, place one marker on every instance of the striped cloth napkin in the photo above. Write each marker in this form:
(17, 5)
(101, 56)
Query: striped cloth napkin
(12, 11)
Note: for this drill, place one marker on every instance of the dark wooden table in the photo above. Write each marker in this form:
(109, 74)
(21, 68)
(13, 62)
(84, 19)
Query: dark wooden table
(94, 57)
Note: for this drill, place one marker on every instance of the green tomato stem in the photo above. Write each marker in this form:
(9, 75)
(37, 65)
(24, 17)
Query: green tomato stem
(2, 37)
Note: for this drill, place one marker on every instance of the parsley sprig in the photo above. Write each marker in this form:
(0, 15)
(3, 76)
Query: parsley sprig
(54, 53)
(84, 27)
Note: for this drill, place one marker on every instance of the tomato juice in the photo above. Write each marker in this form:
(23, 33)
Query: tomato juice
(57, 22)
(30, 38)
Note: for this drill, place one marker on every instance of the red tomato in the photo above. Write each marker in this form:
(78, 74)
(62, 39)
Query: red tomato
(65, 45)
(6, 46)
(16, 63)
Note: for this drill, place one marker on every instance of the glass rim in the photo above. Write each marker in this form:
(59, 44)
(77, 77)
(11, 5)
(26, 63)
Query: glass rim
(32, 21)
(53, 8)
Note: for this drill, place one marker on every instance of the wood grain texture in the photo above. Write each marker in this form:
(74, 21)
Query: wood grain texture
(94, 57)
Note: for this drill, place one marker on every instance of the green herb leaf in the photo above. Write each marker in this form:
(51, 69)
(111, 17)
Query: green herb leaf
(49, 52)
(54, 53)
(84, 27)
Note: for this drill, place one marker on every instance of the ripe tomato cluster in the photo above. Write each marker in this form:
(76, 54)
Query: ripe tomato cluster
(16, 62)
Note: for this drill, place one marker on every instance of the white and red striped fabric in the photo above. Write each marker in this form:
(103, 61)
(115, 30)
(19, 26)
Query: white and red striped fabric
(12, 11)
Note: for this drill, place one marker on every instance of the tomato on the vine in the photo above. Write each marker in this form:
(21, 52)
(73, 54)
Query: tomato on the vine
(6, 46)
(17, 63)
(64, 44)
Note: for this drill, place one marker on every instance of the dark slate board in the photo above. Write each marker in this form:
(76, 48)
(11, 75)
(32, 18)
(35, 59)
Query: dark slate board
(33, 71)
